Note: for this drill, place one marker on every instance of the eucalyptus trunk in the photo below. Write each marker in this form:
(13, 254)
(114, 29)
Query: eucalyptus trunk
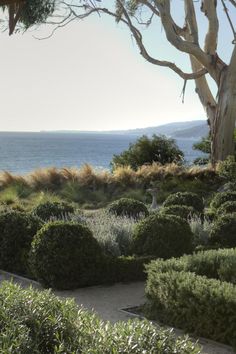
(223, 124)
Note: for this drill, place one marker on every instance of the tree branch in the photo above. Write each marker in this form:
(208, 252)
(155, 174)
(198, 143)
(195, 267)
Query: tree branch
(211, 39)
(138, 38)
(182, 45)
(191, 21)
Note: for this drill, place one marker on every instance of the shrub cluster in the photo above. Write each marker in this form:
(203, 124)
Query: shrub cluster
(163, 236)
(17, 231)
(182, 211)
(226, 208)
(128, 207)
(202, 306)
(39, 322)
(124, 269)
(223, 231)
(185, 198)
(49, 210)
(217, 264)
(221, 198)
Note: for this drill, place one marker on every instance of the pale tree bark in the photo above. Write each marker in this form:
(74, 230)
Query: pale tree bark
(225, 117)
(220, 110)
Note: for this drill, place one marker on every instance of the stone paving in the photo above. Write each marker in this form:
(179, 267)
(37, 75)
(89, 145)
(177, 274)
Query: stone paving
(108, 302)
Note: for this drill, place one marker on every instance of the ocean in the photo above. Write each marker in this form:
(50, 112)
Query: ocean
(21, 153)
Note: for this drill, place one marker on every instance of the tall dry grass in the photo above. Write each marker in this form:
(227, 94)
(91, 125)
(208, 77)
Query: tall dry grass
(55, 178)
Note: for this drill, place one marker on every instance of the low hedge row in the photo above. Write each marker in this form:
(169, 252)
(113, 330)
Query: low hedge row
(62, 255)
(39, 322)
(65, 255)
(217, 264)
(205, 307)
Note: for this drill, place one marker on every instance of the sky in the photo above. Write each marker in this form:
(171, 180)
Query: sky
(90, 76)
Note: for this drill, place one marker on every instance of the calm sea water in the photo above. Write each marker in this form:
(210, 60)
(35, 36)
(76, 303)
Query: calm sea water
(23, 152)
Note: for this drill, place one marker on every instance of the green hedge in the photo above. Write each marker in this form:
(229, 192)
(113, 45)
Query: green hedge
(221, 198)
(185, 198)
(205, 307)
(38, 322)
(217, 264)
(124, 269)
(223, 231)
(128, 207)
(49, 210)
(17, 231)
(226, 208)
(182, 211)
(65, 255)
(162, 236)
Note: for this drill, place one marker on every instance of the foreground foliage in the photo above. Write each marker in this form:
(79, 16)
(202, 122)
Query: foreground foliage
(196, 293)
(41, 323)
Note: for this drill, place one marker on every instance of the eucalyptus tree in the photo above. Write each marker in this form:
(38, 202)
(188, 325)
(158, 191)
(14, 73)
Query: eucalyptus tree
(204, 58)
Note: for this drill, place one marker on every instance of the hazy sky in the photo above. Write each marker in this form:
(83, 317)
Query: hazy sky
(89, 76)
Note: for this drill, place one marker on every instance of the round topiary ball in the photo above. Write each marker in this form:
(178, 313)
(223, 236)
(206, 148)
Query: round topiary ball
(65, 255)
(221, 198)
(17, 231)
(223, 232)
(128, 207)
(49, 210)
(163, 236)
(182, 211)
(226, 208)
(187, 199)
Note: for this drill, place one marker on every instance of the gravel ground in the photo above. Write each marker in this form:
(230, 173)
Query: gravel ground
(108, 302)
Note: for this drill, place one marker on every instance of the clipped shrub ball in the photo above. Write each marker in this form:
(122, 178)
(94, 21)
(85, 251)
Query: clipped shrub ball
(49, 210)
(223, 232)
(128, 207)
(163, 236)
(226, 208)
(185, 198)
(65, 255)
(17, 231)
(221, 198)
(182, 211)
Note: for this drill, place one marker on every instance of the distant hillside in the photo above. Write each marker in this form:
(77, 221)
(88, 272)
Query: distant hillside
(166, 129)
(199, 131)
(191, 129)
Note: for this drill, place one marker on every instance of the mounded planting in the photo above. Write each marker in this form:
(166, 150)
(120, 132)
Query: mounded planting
(226, 208)
(221, 198)
(128, 207)
(182, 211)
(65, 255)
(185, 198)
(48, 210)
(223, 231)
(205, 307)
(17, 231)
(218, 264)
(39, 322)
(162, 236)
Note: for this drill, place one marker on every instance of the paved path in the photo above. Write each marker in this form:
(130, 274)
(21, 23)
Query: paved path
(107, 302)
